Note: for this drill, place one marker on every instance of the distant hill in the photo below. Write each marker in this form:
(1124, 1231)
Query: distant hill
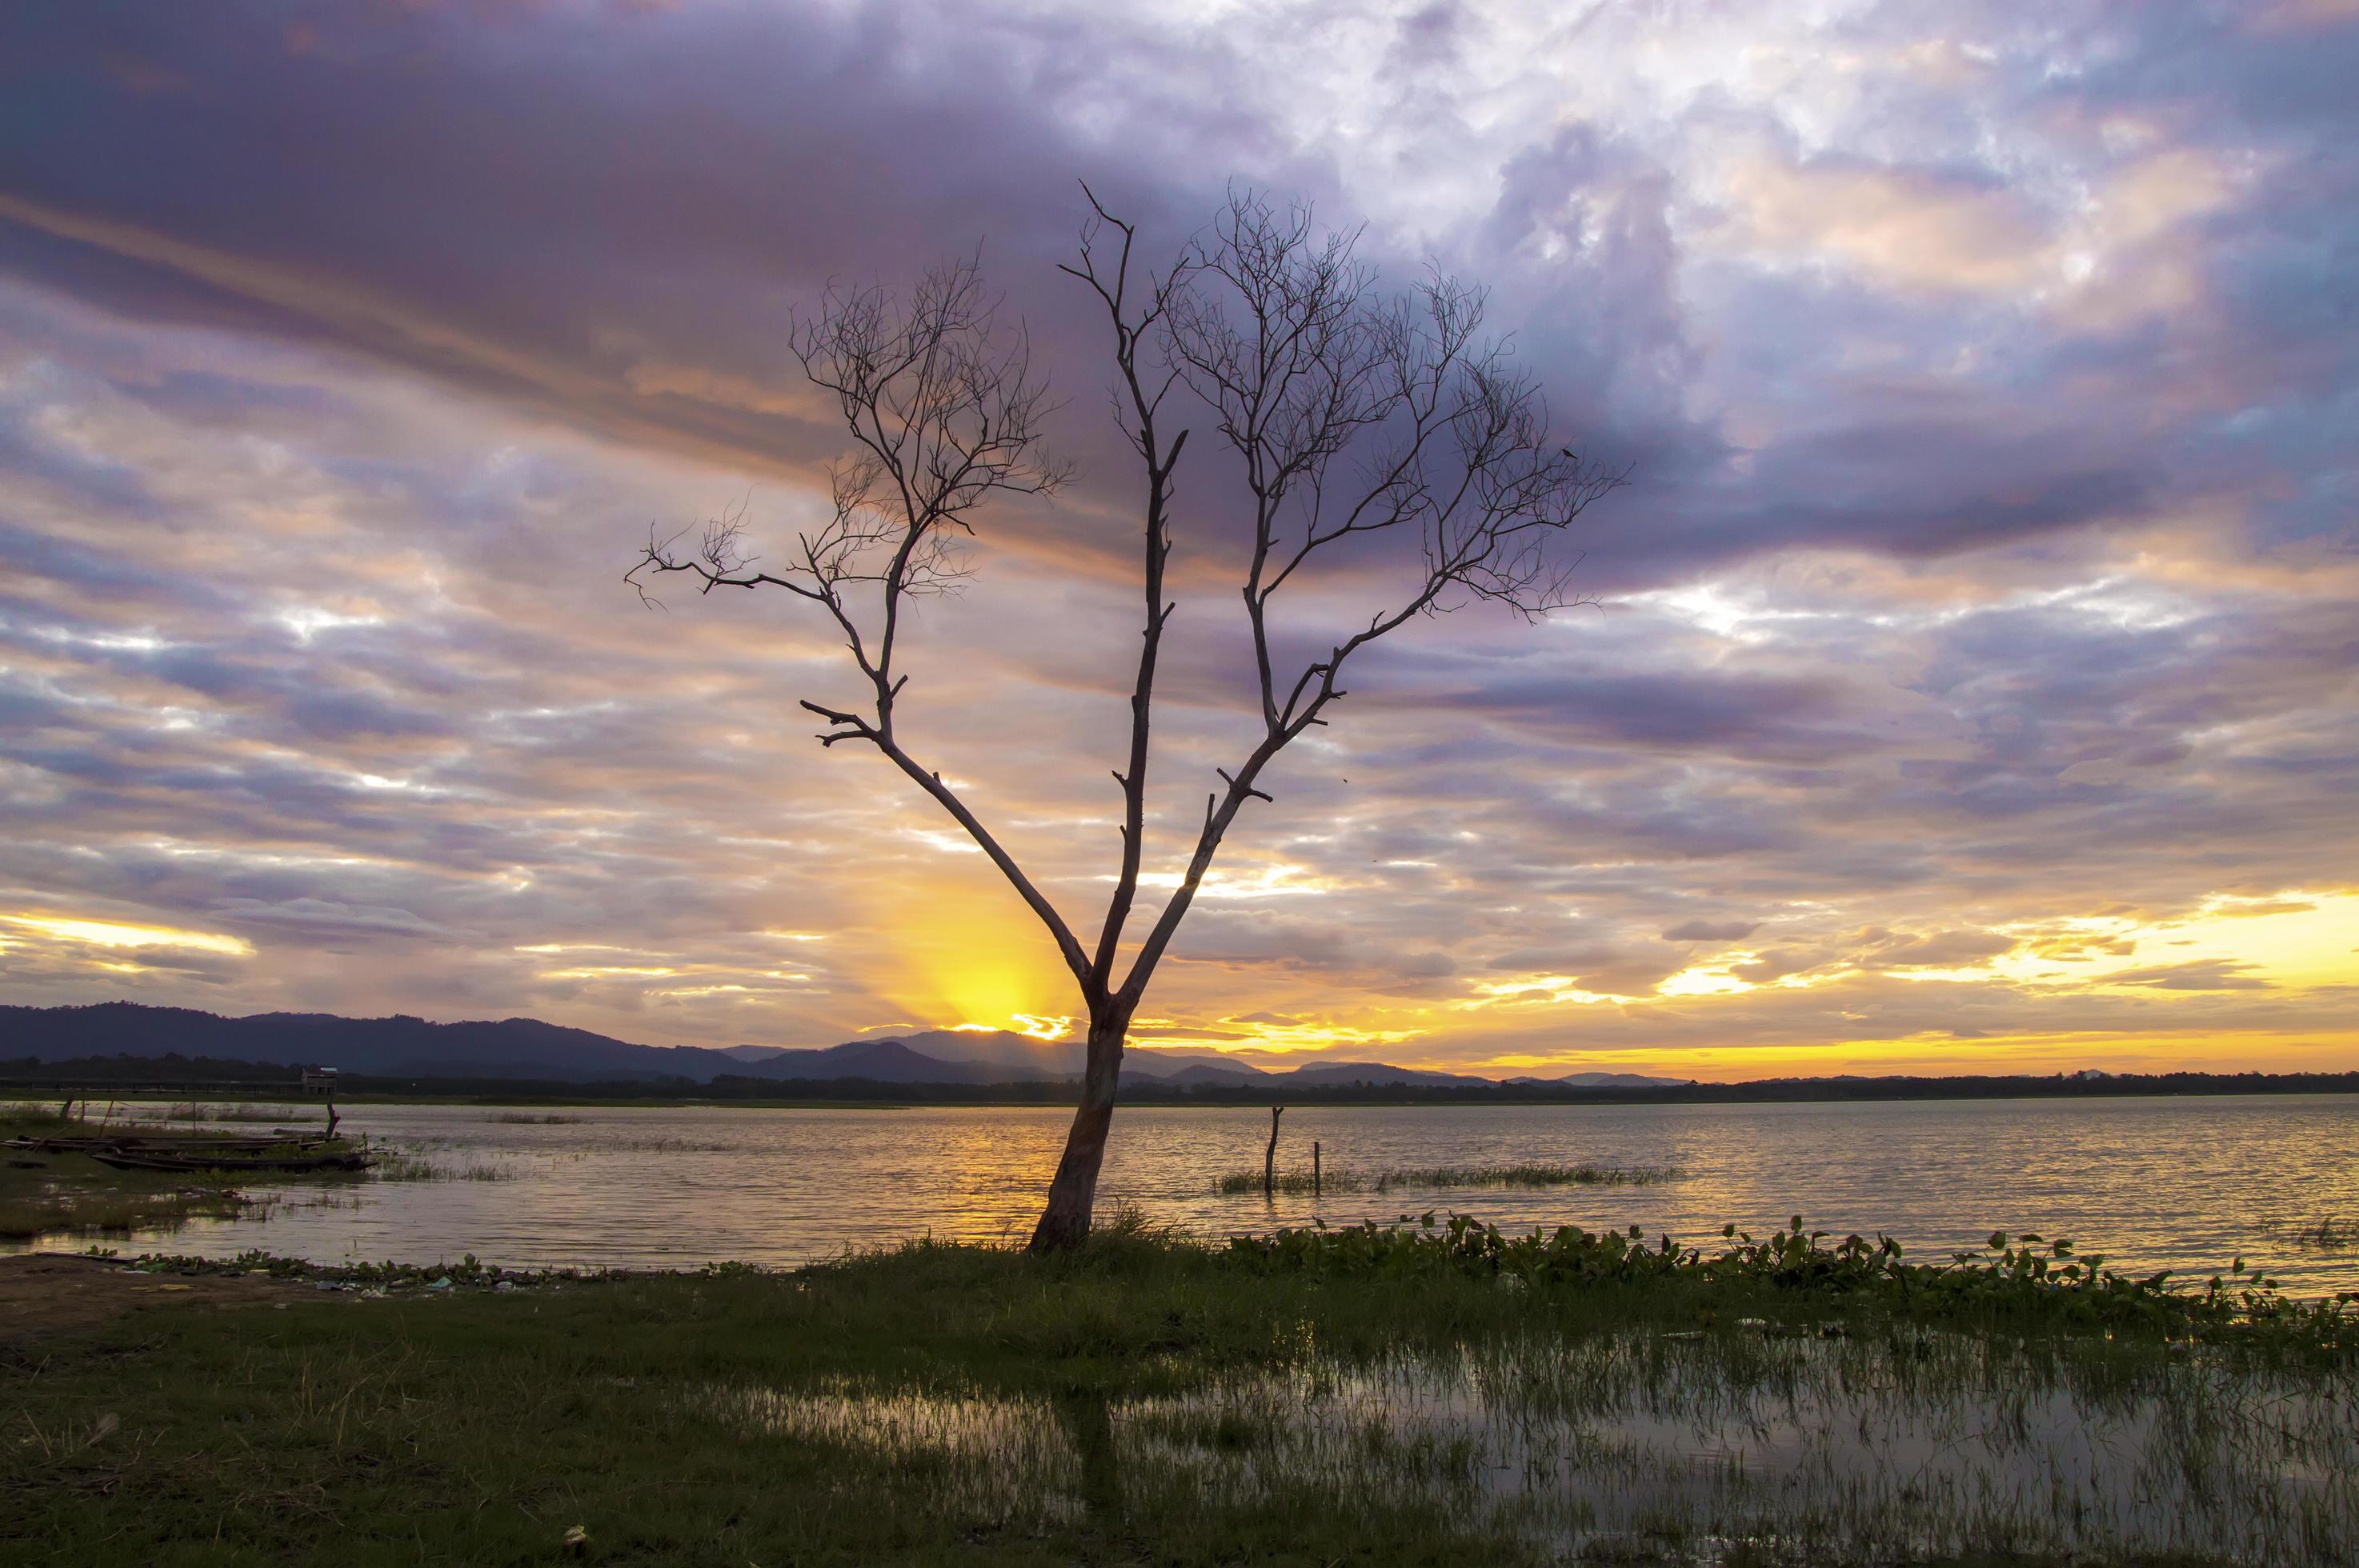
(512, 1047)
(1607, 1081)
(880, 1061)
(1367, 1073)
(753, 1053)
(126, 1045)
(527, 1048)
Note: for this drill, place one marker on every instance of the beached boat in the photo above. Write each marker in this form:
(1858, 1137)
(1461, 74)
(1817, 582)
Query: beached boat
(152, 1150)
(227, 1161)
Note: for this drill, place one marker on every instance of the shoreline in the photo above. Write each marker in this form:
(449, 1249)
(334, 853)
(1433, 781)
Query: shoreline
(1446, 1397)
(1052, 1096)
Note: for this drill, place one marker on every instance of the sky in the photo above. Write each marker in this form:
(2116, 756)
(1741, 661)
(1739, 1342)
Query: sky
(1969, 685)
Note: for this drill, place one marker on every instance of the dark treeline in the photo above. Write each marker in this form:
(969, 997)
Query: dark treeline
(131, 1075)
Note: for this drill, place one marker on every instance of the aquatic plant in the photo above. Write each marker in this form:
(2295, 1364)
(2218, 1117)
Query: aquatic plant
(71, 1210)
(2027, 1277)
(1529, 1175)
(410, 1165)
(1235, 1182)
(2330, 1234)
(1525, 1175)
(531, 1118)
(188, 1111)
(69, 1193)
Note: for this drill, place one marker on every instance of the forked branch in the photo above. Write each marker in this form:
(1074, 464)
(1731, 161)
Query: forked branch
(1359, 418)
(944, 412)
(1387, 427)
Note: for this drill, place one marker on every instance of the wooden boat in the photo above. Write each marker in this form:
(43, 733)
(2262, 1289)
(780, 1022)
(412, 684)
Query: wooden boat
(225, 1160)
(165, 1143)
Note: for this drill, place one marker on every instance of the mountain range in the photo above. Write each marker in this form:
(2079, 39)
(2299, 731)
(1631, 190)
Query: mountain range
(528, 1048)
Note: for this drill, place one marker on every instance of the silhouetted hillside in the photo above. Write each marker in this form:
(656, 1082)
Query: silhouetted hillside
(527, 1049)
(122, 1042)
(512, 1047)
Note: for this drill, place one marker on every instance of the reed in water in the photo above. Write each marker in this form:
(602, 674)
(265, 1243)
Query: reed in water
(1438, 1177)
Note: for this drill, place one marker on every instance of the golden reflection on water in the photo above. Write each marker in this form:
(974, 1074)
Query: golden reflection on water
(2188, 1183)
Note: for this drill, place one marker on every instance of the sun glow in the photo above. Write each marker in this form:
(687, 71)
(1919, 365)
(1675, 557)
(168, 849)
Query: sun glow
(1536, 990)
(970, 955)
(1270, 1035)
(2292, 940)
(111, 934)
(1707, 979)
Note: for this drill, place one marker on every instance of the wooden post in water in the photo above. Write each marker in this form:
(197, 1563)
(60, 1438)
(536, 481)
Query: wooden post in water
(324, 1080)
(1269, 1156)
(1314, 1168)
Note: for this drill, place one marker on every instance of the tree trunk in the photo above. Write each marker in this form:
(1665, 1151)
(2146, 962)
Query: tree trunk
(1269, 1155)
(1065, 1223)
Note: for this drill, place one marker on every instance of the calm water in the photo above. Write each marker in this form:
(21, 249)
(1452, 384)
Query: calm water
(2186, 1183)
(1638, 1449)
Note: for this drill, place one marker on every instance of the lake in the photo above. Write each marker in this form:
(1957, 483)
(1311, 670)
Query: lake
(2185, 1183)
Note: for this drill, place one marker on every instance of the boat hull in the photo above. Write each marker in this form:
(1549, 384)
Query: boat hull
(147, 1160)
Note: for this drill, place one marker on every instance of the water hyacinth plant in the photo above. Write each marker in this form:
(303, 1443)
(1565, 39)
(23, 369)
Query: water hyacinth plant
(2027, 1276)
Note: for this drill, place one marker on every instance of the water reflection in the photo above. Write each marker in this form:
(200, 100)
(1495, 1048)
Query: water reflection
(1898, 1447)
(2153, 1183)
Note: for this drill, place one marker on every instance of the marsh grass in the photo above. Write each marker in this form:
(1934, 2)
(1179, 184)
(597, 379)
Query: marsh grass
(533, 1119)
(289, 1114)
(1153, 1400)
(2329, 1234)
(663, 1144)
(1445, 1176)
(72, 1195)
(2340, 1235)
(68, 1209)
(1536, 1175)
(23, 1118)
(412, 1165)
(1237, 1182)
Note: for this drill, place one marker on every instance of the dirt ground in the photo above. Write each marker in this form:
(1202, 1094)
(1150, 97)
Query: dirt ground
(40, 1292)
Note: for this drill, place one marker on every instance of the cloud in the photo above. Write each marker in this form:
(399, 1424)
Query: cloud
(2197, 975)
(325, 919)
(1879, 949)
(1710, 930)
(1985, 599)
(1919, 228)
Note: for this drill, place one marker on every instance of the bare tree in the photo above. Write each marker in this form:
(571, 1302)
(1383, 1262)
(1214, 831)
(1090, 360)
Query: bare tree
(1357, 419)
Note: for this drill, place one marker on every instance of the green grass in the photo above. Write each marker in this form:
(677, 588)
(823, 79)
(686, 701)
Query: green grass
(1442, 1394)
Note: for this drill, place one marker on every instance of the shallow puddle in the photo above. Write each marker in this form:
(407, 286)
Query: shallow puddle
(1667, 1449)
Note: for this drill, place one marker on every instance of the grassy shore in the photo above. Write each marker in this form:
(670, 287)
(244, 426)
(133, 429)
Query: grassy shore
(71, 1195)
(1438, 1394)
